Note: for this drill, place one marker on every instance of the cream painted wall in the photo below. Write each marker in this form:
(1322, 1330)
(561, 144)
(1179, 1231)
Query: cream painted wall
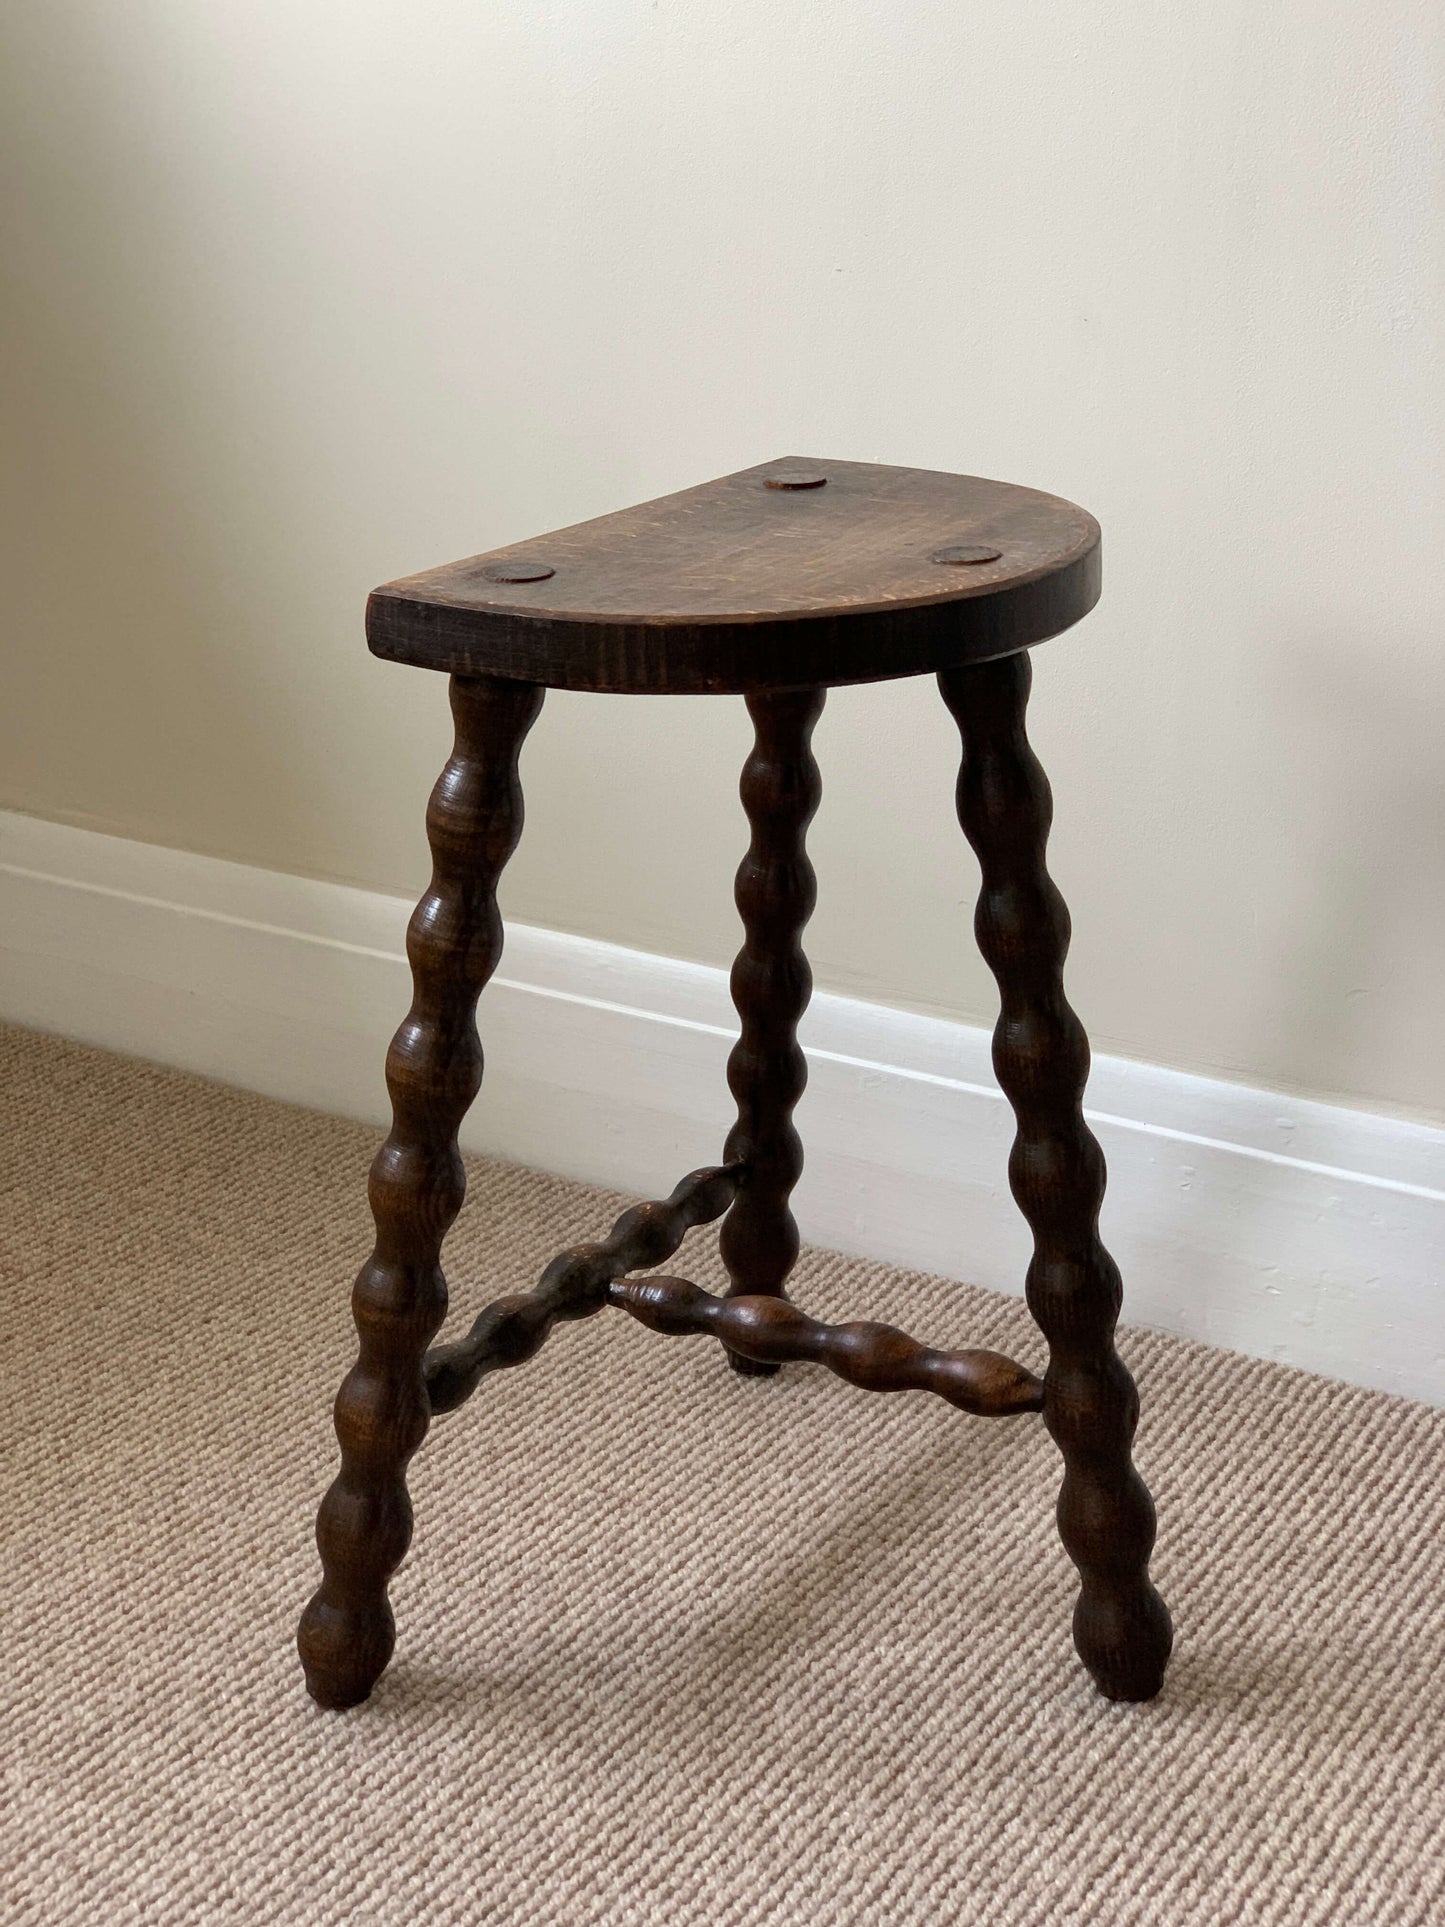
(303, 296)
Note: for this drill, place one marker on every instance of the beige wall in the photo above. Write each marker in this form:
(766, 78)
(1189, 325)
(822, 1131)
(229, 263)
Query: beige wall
(303, 296)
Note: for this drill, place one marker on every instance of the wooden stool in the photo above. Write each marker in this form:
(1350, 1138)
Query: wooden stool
(773, 583)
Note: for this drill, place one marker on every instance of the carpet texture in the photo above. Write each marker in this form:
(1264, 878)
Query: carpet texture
(674, 1647)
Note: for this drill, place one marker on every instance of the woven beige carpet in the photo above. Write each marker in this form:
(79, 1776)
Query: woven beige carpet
(675, 1648)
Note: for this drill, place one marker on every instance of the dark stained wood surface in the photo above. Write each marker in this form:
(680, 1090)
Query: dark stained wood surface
(433, 1071)
(771, 984)
(767, 579)
(575, 1285)
(1056, 1171)
(880, 1358)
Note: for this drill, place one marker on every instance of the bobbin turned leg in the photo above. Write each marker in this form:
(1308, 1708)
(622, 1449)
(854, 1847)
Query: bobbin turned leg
(1041, 1055)
(433, 1071)
(771, 984)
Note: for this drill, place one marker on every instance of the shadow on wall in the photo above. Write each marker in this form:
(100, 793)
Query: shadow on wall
(174, 579)
(1369, 902)
(1317, 1263)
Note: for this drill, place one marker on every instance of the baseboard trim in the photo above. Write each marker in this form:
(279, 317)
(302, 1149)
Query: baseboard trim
(1296, 1231)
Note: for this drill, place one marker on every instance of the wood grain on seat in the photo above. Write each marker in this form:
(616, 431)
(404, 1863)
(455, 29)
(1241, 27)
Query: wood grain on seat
(796, 572)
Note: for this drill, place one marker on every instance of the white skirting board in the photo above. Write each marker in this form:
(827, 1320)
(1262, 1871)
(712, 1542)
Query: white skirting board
(1271, 1225)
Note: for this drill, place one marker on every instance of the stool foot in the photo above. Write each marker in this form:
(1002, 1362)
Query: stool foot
(1124, 1642)
(1056, 1171)
(433, 1071)
(771, 985)
(345, 1652)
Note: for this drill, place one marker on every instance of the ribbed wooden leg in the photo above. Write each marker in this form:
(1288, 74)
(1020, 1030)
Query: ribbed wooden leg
(1041, 1055)
(433, 1071)
(771, 984)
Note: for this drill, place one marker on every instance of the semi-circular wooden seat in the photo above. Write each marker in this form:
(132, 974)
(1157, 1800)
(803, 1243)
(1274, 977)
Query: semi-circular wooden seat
(797, 572)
